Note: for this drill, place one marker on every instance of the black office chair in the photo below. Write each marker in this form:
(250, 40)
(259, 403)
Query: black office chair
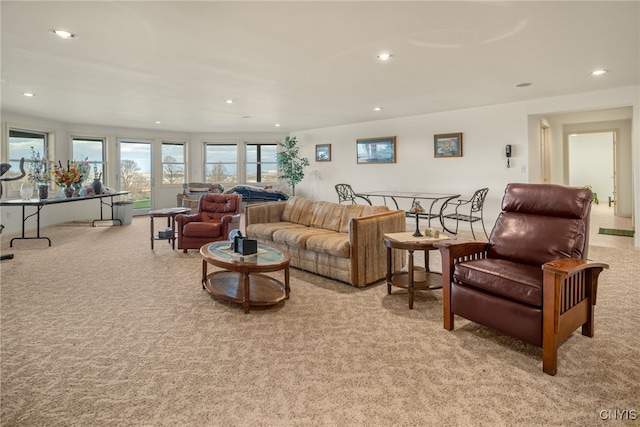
(475, 205)
(346, 194)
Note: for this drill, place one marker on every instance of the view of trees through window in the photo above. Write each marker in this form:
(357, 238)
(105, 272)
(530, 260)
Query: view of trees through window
(173, 162)
(221, 163)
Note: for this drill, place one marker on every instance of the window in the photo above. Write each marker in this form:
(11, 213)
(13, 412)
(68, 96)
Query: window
(221, 162)
(20, 143)
(261, 163)
(173, 162)
(93, 150)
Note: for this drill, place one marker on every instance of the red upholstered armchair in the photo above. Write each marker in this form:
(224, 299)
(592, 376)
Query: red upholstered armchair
(532, 279)
(217, 215)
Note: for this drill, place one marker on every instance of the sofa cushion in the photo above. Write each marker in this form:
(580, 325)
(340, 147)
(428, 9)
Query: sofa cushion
(298, 210)
(355, 211)
(327, 215)
(520, 282)
(202, 229)
(265, 230)
(297, 236)
(335, 244)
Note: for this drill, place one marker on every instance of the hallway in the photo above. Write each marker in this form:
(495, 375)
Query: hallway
(602, 216)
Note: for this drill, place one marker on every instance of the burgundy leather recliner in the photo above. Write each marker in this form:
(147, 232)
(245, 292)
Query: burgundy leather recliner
(531, 280)
(217, 215)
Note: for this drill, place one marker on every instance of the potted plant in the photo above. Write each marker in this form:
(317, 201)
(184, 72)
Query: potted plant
(290, 164)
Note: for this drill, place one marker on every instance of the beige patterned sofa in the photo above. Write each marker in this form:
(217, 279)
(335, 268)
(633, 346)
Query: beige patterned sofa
(344, 242)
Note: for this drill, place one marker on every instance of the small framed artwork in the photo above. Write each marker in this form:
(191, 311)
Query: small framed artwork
(376, 150)
(323, 153)
(447, 145)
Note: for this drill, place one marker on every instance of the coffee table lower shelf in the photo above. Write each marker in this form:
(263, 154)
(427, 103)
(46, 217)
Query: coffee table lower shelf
(230, 286)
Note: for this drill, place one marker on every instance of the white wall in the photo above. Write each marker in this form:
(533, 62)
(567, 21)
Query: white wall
(486, 132)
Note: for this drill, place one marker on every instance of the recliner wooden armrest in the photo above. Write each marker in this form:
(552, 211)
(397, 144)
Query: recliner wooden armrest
(570, 287)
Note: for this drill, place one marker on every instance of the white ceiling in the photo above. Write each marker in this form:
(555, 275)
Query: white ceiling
(304, 64)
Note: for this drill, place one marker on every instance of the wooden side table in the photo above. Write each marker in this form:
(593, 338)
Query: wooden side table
(405, 279)
(170, 214)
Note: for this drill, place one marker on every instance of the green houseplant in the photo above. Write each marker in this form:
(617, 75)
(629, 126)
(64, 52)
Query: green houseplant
(291, 165)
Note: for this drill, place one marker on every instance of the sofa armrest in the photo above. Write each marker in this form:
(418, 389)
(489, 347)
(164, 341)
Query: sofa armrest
(368, 252)
(230, 222)
(263, 213)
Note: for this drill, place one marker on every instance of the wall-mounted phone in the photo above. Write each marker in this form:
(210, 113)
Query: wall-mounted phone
(507, 153)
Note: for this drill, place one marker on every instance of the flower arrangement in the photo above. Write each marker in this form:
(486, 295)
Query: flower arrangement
(38, 167)
(416, 208)
(73, 175)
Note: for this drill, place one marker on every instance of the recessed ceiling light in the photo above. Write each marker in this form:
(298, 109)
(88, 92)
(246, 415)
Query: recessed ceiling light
(277, 125)
(29, 94)
(158, 122)
(384, 56)
(377, 108)
(523, 84)
(598, 72)
(63, 34)
(229, 101)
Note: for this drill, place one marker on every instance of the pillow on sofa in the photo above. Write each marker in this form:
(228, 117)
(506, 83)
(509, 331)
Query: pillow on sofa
(327, 215)
(298, 210)
(198, 190)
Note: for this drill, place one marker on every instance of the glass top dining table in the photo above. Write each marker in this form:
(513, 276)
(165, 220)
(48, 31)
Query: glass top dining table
(438, 201)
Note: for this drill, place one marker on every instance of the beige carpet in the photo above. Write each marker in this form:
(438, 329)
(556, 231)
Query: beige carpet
(98, 330)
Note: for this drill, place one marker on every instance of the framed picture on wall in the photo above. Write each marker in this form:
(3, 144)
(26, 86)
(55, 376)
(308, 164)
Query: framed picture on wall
(447, 145)
(376, 150)
(323, 153)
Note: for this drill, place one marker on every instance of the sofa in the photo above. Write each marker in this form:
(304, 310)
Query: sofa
(343, 242)
(192, 191)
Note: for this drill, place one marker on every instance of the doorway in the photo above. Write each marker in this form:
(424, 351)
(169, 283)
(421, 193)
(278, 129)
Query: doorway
(592, 163)
(135, 172)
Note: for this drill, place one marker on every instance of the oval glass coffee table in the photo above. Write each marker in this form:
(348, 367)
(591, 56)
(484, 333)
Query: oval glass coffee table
(242, 280)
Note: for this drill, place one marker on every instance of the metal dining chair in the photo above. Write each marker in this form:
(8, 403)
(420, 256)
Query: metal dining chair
(475, 208)
(346, 194)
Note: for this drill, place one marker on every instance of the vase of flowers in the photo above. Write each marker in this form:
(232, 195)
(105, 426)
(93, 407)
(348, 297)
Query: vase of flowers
(417, 210)
(68, 191)
(72, 177)
(43, 190)
(39, 174)
(26, 190)
(97, 184)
